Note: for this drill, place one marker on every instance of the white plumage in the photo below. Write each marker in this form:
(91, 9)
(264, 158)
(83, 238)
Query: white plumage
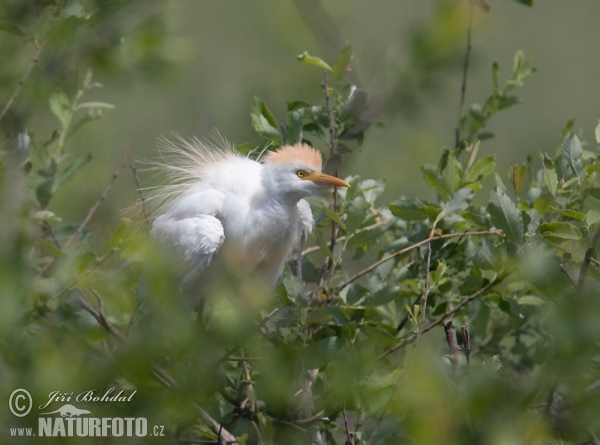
(249, 215)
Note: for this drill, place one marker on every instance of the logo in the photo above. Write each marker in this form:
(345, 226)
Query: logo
(71, 421)
(68, 411)
(20, 402)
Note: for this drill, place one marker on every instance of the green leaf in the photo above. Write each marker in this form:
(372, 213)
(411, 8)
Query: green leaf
(525, 2)
(482, 168)
(529, 300)
(430, 174)
(505, 215)
(459, 202)
(383, 296)
(413, 209)
(517, 176)
(341, 64)
(334, 217)
(60, 106)
(44, 192)
(571, 156)
(13, 29)
(570, 214)
(102, 105)
(352, 107)
(560, 230)
(488, 256)
(118, 237)
(294, 286)
(305, 57)
(263, 121)
(592, 217)
(70, 171)
(550, 176)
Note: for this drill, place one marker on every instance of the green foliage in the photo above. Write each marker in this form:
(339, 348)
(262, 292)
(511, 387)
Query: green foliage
(352, 346)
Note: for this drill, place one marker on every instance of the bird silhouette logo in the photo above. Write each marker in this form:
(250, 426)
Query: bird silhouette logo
(68, 411)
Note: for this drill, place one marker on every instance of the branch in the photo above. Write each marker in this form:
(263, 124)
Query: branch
(463, 89)
(427, 287)
(332, 150)
(141, 193)
(92, 210)
(467, 343)
(453, 356)
(23, 79)
(589, 254)
(99, 314)
(562, 267)
(341, 238)
(443, 317)
(164, 378)
(408, 249)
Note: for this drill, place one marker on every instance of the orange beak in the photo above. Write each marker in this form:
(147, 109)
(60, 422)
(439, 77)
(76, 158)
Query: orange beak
(324, 179)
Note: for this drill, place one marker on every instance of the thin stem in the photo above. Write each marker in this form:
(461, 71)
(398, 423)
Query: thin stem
(225, 437)
(408, 249)
(443, 317)
(451, 340)
(589, 254)
(342, 238)
(141, 193)
(467, 343)
(23, 79)
(92, 209)
(427, 288)
(463, 89)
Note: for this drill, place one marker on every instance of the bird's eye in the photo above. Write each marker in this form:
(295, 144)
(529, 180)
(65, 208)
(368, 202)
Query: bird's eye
(301, 173)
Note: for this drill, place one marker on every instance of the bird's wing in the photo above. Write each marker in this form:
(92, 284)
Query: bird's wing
(195, 238)
(305, 225)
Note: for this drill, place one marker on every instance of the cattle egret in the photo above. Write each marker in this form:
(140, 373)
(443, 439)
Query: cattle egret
(224, 210)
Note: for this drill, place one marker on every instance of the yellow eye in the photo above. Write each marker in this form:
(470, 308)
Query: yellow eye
(301, 173)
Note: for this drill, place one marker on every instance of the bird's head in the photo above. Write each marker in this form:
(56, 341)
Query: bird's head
(294, 171)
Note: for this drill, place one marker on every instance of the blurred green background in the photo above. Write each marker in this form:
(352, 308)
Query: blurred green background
(204, 61)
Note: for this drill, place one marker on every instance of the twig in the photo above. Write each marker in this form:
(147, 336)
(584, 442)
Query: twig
(467, 343)
(443, 317)
(562, 267)
(342, 238)
(349, 435)
(92, 209)
(595, 261)
(463, 89)
(408, 249)
(99, 314)
(427, 287)
(589, 254)
(225, 437)
(332, 152)
(23, 79)
(141, 193)
(550, 398)
(52, 234)
(453, 356)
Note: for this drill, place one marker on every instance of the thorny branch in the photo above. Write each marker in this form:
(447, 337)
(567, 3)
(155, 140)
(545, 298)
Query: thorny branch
(92, 210)
(23, 79)
(225, 437)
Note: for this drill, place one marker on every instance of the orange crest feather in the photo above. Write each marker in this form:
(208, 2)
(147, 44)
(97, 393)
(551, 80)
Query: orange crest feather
(296, 152)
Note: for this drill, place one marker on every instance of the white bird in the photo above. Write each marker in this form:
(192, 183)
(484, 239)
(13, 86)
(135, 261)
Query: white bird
(247, 216)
